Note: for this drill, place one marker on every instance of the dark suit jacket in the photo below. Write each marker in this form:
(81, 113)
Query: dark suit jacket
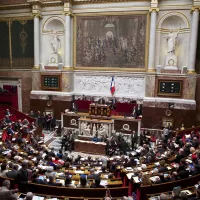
(22, 180)
(96, 186)
(12, 174)
(162, 169)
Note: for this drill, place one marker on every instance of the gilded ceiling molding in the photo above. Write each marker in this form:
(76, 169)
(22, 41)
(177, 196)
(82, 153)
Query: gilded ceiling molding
(41, 3)
(15, 6)
(17, 18)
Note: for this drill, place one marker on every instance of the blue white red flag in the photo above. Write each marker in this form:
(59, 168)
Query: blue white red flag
(112, 86)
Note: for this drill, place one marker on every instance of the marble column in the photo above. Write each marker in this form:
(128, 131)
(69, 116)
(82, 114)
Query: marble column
(36, 41)
(193, 41)
(152, 41)
(67, 59)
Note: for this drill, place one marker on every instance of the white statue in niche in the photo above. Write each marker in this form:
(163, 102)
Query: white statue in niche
(171, 42)
(55, 58)
(55, 42)
(171, 58)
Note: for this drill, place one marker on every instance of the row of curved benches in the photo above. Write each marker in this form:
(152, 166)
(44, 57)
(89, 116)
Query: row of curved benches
(100, 192)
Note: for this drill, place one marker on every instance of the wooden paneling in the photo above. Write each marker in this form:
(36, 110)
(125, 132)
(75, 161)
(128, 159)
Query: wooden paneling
(152, 117)
(57, 106)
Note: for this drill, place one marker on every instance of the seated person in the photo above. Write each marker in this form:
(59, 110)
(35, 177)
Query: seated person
(97, 183)
(3, 171)
(6, 193)
(60, 154)
(13, 172)
(53, 182)
(10, 131)
(83, 183)
(68, 182)
(29, 196)
(92, 174)
(7, 119)
(37, 179)
(95, 138)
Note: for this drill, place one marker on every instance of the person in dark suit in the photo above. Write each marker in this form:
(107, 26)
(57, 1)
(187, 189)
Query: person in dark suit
(162, 168)
(22, 178)
(97, 184)
(13, 172)
(5, 193)
(36, 179)
(52, 182)
(10, 131)
(7, 120)
(51, 153)
(92, 175)
(7, 112)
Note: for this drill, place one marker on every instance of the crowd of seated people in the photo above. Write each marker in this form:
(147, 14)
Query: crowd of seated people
(16, 130)
(46, 121)
(178, 193)
(3, 90)
(29, 161)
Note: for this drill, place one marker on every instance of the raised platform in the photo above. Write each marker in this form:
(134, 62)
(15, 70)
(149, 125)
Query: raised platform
(90, 147)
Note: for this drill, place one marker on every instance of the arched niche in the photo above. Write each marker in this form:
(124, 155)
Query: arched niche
(173, 20)
(54, 24)
(177, 22)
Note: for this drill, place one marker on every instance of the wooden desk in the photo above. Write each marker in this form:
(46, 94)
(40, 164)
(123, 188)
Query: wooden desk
(98, 109)
(90, 147)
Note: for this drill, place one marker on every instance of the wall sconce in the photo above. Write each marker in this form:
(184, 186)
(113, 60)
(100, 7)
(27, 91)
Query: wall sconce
(171, 105)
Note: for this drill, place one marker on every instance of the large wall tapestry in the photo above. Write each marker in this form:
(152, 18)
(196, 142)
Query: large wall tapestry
(111, 41)
(198, 52)
(22, 44)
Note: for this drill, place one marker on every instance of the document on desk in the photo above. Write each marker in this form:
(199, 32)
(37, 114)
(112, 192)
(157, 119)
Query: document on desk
(129, 175)
(136, 179)
(104, 182)
(38, 198)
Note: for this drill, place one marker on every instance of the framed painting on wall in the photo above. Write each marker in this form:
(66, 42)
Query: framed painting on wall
(111, 41)
(167, 122)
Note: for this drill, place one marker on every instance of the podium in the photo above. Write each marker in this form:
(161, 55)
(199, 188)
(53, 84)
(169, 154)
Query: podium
(99, 110)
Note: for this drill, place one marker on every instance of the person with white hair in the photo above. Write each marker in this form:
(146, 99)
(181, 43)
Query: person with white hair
(29, 196)
(5, 193)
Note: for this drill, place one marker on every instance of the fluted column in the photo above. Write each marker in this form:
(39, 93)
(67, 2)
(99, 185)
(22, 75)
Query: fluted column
(193, 41)
(67, 57)
(152, 41)
(36, 41)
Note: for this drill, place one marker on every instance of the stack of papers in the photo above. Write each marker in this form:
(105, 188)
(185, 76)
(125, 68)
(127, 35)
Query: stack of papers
(38, 198)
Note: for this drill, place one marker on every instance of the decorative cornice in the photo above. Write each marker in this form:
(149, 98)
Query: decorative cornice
(16, 18)
(36, 15)
(15, 6)
(58, 3)
(153, 10)
(194, 8)
(69, 13)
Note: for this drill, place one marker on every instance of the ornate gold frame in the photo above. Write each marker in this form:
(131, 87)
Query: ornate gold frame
(59, 88)
(114, 68)
(170, 94)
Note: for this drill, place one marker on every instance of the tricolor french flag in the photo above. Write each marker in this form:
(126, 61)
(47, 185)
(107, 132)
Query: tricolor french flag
(112, 86)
